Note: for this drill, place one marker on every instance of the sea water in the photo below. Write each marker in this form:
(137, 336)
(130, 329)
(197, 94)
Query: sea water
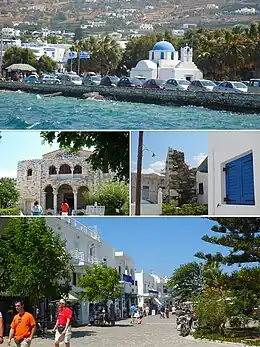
(30, 111)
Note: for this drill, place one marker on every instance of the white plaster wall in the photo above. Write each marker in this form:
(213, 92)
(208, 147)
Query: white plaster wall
(149, 73)
(182, 73)
(202, 177)
(148, 209)
(223, 147)
(140, 282)
(107, 252)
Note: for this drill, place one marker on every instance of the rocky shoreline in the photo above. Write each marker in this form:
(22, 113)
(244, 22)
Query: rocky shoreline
(249, 103)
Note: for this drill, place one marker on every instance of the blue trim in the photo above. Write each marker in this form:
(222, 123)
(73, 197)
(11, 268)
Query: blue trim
(240, 181)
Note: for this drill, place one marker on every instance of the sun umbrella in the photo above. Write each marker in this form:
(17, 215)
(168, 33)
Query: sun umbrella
(20, 67)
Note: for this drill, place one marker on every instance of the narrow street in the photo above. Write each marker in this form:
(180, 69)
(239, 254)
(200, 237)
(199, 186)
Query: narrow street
(154, 332)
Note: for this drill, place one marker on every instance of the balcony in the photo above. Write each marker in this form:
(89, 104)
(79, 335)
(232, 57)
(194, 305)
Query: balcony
(80, 258)
(91, 232)
(61, 177)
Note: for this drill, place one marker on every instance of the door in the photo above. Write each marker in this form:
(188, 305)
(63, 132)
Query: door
(145, 192)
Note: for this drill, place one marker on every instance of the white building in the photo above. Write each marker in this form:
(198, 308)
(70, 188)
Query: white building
(87, 248)
(234, 168)
(149, 208)
(150, 290)
(246, 10)
(164, 63)
(10, 33)
(202, 182)
(54, 51)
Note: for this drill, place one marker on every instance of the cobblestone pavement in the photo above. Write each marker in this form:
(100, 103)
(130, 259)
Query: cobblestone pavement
(153, 332)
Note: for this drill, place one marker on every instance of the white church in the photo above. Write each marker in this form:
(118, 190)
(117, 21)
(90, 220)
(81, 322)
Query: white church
(164, 64)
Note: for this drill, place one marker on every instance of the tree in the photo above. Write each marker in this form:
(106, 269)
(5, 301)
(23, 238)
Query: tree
(35, 260)
(9, 194)
(186, 281)
(18, 55)
(46, 64)
(78, 34)
(111, 149)
(240, 235)
(101, 284)
(113, 195)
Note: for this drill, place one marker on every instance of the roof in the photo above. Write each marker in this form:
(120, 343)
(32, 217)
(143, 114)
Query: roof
(203, 167)
(146, 64)
(163, 46)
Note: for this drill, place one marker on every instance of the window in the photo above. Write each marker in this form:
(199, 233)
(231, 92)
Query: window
(201, 189)
(77, 169)
(29, 172)
(145, 192)
(239, 175)
(172, 56)
(65, 169)
(52, 170)
(152, 55)
(162, 55)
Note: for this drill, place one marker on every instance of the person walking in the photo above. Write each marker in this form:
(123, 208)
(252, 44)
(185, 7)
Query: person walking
(23, 327)
(1, 328)
(141, 314)
(65, 208)
(167, 311)
(62, 327)
(37, 209)
(162, 311)
(147, 310)
(132, 313)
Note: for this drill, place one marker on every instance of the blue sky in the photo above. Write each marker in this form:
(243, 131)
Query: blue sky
(156, 244)
(194, 144)
(20, 145)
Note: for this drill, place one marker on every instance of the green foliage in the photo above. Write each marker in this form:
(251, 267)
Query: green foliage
(101, 283)
(111, 149)
(34, 260)
(113, 195)
(240, 235)
(185, 210)
(11, 211)
(9, 194)
(186, 281)
(18, 55)
(212, 275)
(78, 34)
(46, 64)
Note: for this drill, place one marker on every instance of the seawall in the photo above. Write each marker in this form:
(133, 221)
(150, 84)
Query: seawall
(223, 101)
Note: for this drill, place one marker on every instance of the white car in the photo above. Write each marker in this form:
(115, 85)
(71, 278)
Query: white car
(176, 84)
(201, 85)
(48, 79)
(231, 87)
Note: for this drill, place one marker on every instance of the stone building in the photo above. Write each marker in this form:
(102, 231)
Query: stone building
(57, 176)
(180, 179)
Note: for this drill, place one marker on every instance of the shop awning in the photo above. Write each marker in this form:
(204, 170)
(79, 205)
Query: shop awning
(157, 301)
(71, 297)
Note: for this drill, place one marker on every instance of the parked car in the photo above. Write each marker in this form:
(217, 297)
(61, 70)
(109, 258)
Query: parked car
(201, 85)
(154, 84)
(175, 84)
(129, 82)
(254, 86)
(70, 80)
(109, 81)
(49, 79)
(231, 87)
(92, 80)
(31, 79)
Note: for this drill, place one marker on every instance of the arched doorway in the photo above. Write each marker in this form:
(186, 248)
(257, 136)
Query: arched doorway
(81, 197)
(64, 169)
(65, 192)
(48, 197)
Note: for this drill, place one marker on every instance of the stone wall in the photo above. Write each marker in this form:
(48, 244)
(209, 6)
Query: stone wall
(230, 101)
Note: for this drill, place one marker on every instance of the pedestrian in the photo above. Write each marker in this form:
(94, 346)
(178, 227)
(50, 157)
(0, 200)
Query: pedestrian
(23, 327)
(37, 209)
(132, 313)
(1, 328)
(141, 314)
(162, 311)
(147, 310)
(167, 312)
(62, 327)
(65, 208)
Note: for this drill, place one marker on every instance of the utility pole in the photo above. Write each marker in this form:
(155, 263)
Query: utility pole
(139, 174)
(1, 57)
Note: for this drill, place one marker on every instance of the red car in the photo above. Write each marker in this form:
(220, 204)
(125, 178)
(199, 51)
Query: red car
(154, 84)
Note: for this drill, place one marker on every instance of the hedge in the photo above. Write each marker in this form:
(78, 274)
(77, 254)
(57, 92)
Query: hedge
(185, 210)
(12, 211)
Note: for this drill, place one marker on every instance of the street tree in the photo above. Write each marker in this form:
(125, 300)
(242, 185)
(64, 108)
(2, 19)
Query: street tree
(46, 64)
(111, 149)
(34, 260)
(9, 194)
(101, 284)
(19, 55)
(113, 195)
(240, 235)
(78, 34)
(186, 281)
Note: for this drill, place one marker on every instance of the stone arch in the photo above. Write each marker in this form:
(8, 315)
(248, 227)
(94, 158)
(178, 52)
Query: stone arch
(49, 197)
(77, 169)
(29, 172)
(52, 170)
(65, 192)
(65, 169)
(81, 199)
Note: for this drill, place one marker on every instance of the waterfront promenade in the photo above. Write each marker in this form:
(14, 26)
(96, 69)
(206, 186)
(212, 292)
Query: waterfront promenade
(154, 332)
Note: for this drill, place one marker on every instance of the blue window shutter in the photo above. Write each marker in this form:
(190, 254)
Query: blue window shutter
(233, 195)
(247, 180)
(162, 55)
(152, 55)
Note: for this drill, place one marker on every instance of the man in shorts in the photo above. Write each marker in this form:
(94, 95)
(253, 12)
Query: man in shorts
(23, 327)
(65, 208)
(1, 329)
(63, 324)
(132, 313)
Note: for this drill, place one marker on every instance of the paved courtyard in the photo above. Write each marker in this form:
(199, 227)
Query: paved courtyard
(154, 332)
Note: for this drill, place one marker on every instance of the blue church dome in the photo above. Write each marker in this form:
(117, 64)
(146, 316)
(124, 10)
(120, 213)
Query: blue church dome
(163, 46)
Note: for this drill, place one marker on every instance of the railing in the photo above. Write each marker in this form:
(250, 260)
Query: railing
(92, 210)
(82, 259)
(81, 227)
(66, 176)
